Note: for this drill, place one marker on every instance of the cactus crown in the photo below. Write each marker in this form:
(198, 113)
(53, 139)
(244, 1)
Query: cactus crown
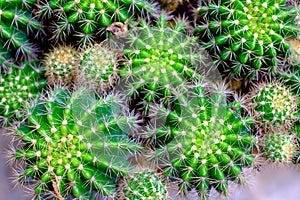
(16, 87)
(159, 58)
(144, 185)
(76, 143)
(247, 37)
(205, 141)
(61, 64)
(98, 68)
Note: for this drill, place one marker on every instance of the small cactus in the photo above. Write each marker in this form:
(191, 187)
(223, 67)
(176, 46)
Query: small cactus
(75, 143)
(159, 59)
(272, 104)
(247, 38)
(279, 146)
(16, 23)
(205, 142)
(87, 19)
(145, 184)
(16, 87)
(98, 68)
(60, 65)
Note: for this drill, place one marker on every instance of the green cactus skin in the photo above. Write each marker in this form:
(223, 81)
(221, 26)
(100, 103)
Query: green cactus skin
(159, 59)
(205, 142)
(291, 78)
(76, 142)
(6, 62)
(272, 104)
(61, 64)
(16, 23)
(279, 146)
(16, 87)
(145, 185)
(87, 19)
(247, 37)
(98, 68)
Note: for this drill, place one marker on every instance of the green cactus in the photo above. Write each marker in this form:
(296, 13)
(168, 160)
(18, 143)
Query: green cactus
(171, 5)
(16, 87)
(205, 142)
(159, 59)
(272, 104)
(247, 38)
(76, 143)
(279, 146)
(61, 64)
(291, 78)
(6, 62)
(16, 23)
(98, 68)
(145, 184)
(88, 19)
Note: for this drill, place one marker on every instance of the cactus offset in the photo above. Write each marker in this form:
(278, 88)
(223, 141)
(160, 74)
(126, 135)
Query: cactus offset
(98, 68)
(60, 65)
(87, 19)
(77, 143)
(205, 142)
(145, 184)
(16, 87)
(247, 38)
(16, 23)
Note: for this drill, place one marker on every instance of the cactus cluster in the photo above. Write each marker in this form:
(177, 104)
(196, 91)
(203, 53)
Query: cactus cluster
(16, 87)
(16, 23)
(272, 104)
(75, 143)
(60, 65)
(145, 184)
(98, 68)
(159, 58)
(247, 38)
(205, 142)
(87, 19)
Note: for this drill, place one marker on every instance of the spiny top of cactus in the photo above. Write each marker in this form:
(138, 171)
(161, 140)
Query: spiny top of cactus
(98, 68)
(16, 87)
(272, 104)
(89, 18)
(247, 37)
(16, 23)
(279, 146)
(76, 143)
(61, 64)
(205, 142)
(159, 58)
(145, 185)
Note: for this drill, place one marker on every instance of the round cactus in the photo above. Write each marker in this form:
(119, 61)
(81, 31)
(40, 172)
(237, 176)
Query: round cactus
(60, 65)
(98, 68)
(272, 104)
(144, 184)
(247, 38)
(205, 142)
(16, 87)
(159, 59)
(279, 146)
(87, 19)
(16, 23)
(75, 143)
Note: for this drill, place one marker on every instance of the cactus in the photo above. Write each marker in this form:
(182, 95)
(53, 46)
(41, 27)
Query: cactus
(145, 184)
(16, 87)
(16, 23)
(272, 104)
(159, 59)
(279, 146)
(5, 60)
(291, 78)
(88, 19)
(247, 38)
(98, 68)
(171, 5)
(61, 64)
(75, 143)
(205, 142)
